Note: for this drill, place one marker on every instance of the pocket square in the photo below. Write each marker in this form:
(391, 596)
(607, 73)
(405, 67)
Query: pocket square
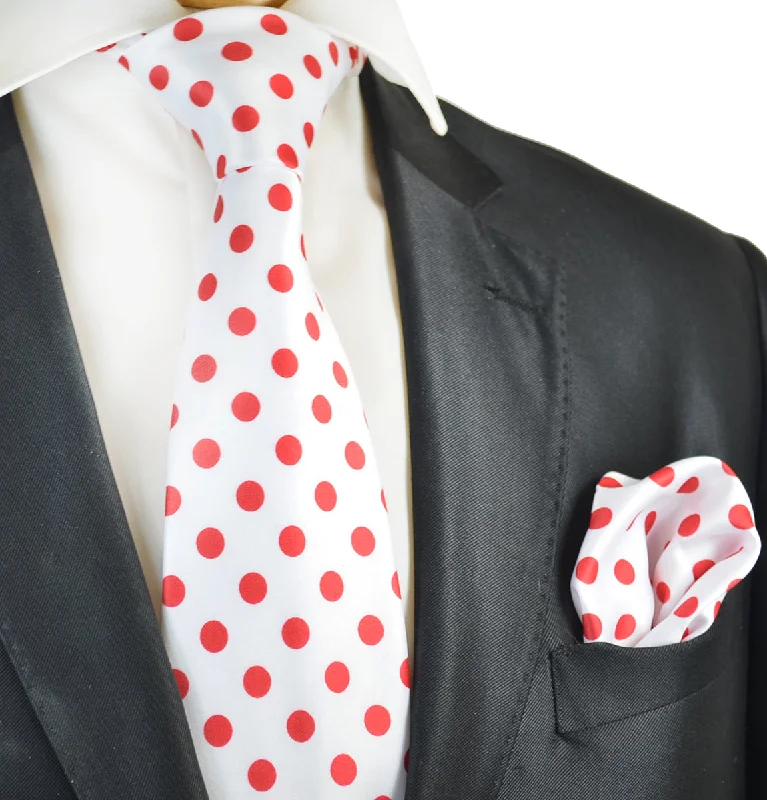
(661, 553)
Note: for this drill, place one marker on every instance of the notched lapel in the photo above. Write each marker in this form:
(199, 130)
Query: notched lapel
(485, 349)
(75, 615)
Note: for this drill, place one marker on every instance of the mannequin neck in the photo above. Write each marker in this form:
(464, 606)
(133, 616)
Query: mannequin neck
(221, 3)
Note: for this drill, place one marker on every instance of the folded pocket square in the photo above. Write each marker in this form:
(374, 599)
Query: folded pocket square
(661, 553)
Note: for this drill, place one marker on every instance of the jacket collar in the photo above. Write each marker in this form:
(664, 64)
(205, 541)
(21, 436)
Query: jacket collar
(37, 37)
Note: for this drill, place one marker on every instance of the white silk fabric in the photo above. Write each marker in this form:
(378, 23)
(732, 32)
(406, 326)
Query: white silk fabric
(662, 553)
(282, 611)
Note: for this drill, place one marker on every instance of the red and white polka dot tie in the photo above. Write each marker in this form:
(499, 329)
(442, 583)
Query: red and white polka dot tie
(281, 606)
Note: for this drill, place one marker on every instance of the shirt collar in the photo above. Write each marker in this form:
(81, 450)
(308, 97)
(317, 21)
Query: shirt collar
(37, 37)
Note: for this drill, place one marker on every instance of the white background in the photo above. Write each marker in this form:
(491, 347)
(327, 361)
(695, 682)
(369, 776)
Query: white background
(669, 96)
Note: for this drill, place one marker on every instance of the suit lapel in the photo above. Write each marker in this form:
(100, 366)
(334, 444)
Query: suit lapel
(484, 339)
(75, 615)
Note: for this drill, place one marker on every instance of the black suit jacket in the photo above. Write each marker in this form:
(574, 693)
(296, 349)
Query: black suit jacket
(558, 323)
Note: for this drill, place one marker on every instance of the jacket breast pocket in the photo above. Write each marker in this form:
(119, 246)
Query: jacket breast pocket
(670, 719)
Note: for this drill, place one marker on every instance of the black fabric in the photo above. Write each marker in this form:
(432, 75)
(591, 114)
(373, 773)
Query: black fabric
(565, 325)
(757, 666)
(557, 323)
(102, 717)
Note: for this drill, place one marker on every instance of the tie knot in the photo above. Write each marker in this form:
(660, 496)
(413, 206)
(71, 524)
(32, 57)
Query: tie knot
(249, 83)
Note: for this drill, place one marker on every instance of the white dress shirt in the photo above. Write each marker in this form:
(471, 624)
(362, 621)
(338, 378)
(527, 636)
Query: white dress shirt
(127, 196)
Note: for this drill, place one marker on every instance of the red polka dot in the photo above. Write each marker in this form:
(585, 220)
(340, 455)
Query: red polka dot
(217, 730)
(280, 197)
(609, 483)
(159, 77)
(312, 327)
(253, 588)
(321, 409)
(663, 592)
(664, 476)
(187, 29)
(257, 681)
(354, 54)
(221, 167)
(649, 521)
(123, 61)
(363, 541)
(689, 486)
(106, 47)
(688, 608)
(636, 517)
(689, 525)
(586, 569)
(702, 567)
(288, 450)
(173, 591)
(262, 775)
(592, 627)
(313, 66)
(331, 586)
(733, 583)
(406, 759)
(237, 51)
(245, 118)
(625, 627)
(210, 542)
(214, 636)
(339, 373)
(201, 93)
(292, 541)
(219, 210)
(241, 238)
(333, 48)
(343, 770)
(370, 629)
(285, 363)
(395, 587)
(377, 720)
(355, 456)
(250, 496)
(203, 368)
(325, 496)
(246, 406)
(303, 253)
(337, 677)
(242, 321)
(624, 572)
(272, 23)
(206, 453)
(280, 278)
(404, 673)
(295, 633)
(740, 517)
(383, 500)
(287, 155)
(196, 137)
(728, 469)
(172, 500)
(281, 85)
(182, 682)
(600, 517)
(717, 606)
(685, 633)
(300, 726)
(174, 416)
(308, 133)
(242, 169)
